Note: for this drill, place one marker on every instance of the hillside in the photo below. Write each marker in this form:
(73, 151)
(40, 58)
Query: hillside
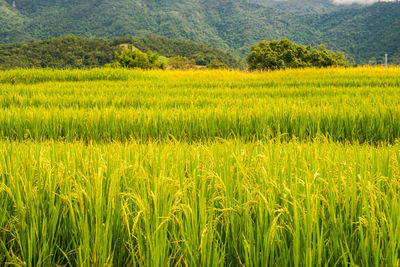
(366, 33)
(12, 24)
(233, 25)
(301, 6)
(78, 52)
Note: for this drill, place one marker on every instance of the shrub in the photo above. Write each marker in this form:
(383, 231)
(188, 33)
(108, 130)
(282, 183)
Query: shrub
(133, 58)
(181, 63)
(216, 64)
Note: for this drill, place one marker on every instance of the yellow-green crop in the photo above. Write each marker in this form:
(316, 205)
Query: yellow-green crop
(361, 105)
(227, 203)
(113, 167)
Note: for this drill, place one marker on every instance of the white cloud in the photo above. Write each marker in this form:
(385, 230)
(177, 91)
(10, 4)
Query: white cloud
(363, 2)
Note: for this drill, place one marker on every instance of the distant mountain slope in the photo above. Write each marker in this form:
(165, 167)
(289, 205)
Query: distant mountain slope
(109, 18)
(364, 33)
(233, 25)
(301, 6)
(12, 24)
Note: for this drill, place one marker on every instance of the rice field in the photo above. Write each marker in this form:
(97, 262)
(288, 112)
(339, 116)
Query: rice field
(110, 167)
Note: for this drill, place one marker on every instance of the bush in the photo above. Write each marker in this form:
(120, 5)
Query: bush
(113, 65)
(216, 64)
(181, 63)
(285, 54)
(133, 58)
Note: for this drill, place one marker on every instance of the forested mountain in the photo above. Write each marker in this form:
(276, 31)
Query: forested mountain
(301, 6)
(78, 52)
(364, 33)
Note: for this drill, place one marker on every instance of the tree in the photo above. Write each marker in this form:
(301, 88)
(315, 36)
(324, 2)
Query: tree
(216, 64)
(133, 58)
(283, 54)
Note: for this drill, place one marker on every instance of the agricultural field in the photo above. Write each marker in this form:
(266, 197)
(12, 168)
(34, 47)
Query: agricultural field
(114, 167)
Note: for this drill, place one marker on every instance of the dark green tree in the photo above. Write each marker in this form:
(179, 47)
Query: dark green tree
(216, 64)
(283, 54)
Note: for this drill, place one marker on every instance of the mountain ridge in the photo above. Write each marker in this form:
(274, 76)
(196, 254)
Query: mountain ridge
(230, 25)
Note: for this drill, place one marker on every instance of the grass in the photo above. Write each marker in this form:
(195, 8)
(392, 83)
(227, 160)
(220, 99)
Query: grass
(206, 168)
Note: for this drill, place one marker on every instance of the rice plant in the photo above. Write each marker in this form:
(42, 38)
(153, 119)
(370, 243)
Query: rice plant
(204, 204)
(111, 167)
(356, 105)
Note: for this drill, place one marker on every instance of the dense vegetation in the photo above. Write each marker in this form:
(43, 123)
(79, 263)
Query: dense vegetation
(303, 6)
(201, 54)
(78, 52)
(233, 25)
(219, 168)
(364, 34)
(284, 54)
(67, 52)
(134, 58)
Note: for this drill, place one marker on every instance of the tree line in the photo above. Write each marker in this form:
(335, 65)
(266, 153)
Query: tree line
(265, 56)
(155, 52)
(284, 54)
(77, 52)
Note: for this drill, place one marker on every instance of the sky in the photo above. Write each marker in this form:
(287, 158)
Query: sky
(357, 1)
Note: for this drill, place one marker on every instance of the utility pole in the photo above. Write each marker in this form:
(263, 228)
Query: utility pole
(386, 60)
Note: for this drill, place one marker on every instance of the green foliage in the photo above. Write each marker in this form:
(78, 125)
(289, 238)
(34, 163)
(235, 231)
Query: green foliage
(303, 6)
(133, 58)
(200, 53)
(362, 33)
(60, 53)
(78, 52)
(285, 54)
(216, 64)
(181, 63)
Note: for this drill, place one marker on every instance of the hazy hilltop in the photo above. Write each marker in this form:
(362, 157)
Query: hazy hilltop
(362, 32)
